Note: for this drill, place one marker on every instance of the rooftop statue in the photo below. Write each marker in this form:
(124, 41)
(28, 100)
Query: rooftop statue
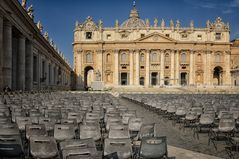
(24, 4)
(39, 26)
(30, 11)
(155, 22)
(162, 24)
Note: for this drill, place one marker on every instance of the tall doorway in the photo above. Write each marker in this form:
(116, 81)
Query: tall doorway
(217, 76)
(88, 77)
(124, 79)
(154, 78)
(184, 80)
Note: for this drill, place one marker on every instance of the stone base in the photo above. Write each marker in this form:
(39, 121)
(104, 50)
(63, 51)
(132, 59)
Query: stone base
(97, 86)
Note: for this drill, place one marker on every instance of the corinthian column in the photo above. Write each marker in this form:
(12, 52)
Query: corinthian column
(7, 54)
(147, 69)
(131, 81)
(191, 70)
(21, 63)
(172, 71)
(162, 68)
(116, 70)
(137, 67)
(177, 67)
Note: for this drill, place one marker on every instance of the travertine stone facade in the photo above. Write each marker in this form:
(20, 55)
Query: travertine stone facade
(137, 53)
(27, 59)
(235, 62)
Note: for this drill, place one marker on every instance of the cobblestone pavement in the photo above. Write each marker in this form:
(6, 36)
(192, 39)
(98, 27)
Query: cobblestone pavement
(175, 136)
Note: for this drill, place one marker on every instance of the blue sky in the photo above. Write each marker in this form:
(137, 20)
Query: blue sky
(58, 16)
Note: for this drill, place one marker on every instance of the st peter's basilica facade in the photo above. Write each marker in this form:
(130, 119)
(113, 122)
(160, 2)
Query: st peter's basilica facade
(137, 53)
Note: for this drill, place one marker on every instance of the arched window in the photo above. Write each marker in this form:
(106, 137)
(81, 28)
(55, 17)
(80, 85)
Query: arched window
(141, 58)
(199, 58)
(167, 58)
(183, 58)
(123, 57)
(108, 58)
(218, 57)
(88, 57)
(154, 57)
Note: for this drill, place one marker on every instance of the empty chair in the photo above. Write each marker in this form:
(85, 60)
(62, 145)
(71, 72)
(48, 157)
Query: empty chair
(70, 122)
(90, 131)
(11, 146)
(146, 130)
(121, 146)
(134, 126)
(78, 116)
(77, 143)
(119, 132)
(226, 128)
(63, 132)
(154, 147)
(79, 153)
(22, 122)
(35, 130)
(43, 147)
(113, 121)
(126, 116)
(48, 122)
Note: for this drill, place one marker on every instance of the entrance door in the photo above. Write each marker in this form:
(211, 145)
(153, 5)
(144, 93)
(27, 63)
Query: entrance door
(184, 79)
(88, 76)
(217, 76)
(124, 79)
(141, 81)
(154, 78)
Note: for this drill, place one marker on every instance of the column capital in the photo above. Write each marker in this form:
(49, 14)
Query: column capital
(21, 36)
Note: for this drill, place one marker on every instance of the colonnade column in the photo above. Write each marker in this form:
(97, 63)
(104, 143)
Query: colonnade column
(116, 70)
(147, 69)
(137, 67)
(29, 65)
(131, 81)
(1, 53)
(21, 63)
(7, 54)
(162, 67)
(172, 71)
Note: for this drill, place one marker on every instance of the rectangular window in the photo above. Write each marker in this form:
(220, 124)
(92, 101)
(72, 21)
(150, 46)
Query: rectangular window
(142, 35)
(218, 36)
(108, 36)
(199, 37)
(184, 36)
(88, 35)
(167, 35)
(35, 71)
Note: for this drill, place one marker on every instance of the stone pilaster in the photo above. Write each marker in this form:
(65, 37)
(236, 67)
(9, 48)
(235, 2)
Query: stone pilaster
(29, 65)
(191, 68)
(137, 68)
(147, 69)
(162, 67)
(177, 68)
(172, 71)
(205, 63)
(116, 68)
(131, 81)
(1, 53)
(209, 69)
(7, 54)
(228, 68)
(21, 63)
(100, 63)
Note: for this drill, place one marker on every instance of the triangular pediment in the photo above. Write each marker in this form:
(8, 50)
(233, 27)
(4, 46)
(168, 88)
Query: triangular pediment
(155, 37)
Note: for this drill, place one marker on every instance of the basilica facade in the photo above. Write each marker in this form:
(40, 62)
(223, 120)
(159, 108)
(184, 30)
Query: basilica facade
(142, 54)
